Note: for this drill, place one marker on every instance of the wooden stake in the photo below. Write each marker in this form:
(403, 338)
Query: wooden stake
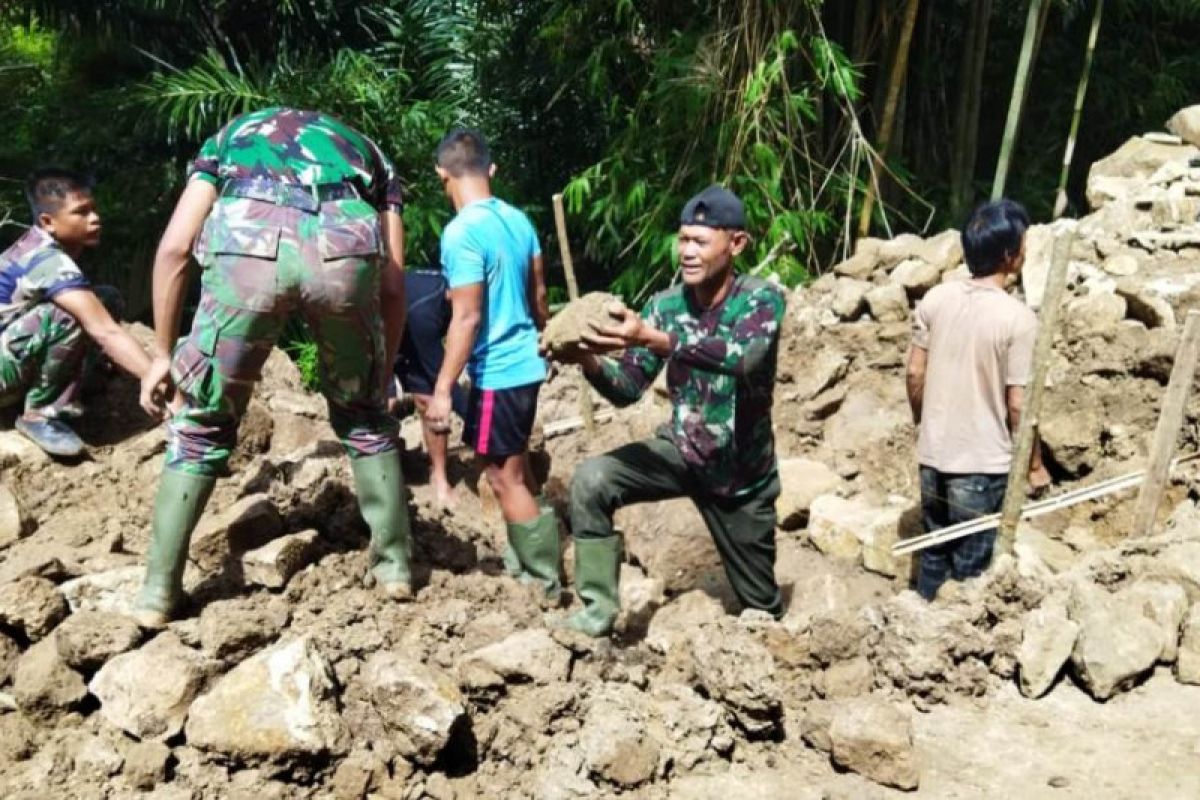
(564, 249)
(1170, 419)
(1018, 474)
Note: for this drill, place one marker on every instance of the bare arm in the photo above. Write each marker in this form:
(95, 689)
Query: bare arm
(171, 260)
(538, 303)
(1014, 400)
(84, 306)
(914, 380)
(466, 304)
(392, 283)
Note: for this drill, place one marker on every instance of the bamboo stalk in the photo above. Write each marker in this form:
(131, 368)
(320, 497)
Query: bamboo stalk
(1060, 200)
(895, 81)
(1166, 433)
(1018, 473)
(1020, 84)
(564, 249)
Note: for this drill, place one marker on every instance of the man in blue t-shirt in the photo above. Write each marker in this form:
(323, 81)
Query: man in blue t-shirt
(493, 265)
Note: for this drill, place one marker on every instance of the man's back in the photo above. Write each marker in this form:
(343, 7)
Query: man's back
(980, 342)
(491, 242)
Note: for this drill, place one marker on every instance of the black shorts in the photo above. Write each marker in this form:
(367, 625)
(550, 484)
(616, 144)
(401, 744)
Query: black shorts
(500, 421)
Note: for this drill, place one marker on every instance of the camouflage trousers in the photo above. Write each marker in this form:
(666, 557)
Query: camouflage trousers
(263, 263)
(43, 355)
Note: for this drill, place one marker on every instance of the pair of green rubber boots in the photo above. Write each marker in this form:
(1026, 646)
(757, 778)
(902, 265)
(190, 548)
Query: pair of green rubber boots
(533, 555)
(180, 502)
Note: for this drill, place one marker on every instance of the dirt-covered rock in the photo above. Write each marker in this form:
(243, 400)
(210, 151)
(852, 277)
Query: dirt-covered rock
(273, 564)
(12, 518)
(1047, 639)
(44, 687)
(231, 630)
(147, 692)
(88, 639)
(225, 536)
(615, 741)
(1187, 663)
(1117, 642)
(875, 739)
(529, 655)
(567, 328)
(32, 606)
(801, 481)
(670, 541)
(735, 669)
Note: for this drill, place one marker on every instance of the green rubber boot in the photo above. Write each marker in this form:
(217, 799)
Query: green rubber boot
(537, 549)
(512, 564)
(177, 508)
(379, 485)
(597, 582)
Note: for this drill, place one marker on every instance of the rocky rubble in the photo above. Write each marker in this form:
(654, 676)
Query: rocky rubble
(288, 677)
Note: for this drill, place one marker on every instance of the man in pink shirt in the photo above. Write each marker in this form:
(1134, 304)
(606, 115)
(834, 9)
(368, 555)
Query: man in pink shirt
(971, 357)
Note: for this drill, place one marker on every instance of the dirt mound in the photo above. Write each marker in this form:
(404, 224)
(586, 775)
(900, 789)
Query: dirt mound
(289, 677)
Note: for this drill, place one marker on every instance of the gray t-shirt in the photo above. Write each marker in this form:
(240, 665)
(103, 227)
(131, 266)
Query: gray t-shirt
(980, 341)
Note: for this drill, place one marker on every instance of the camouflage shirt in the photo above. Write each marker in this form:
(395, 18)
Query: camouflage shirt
(304, 147)
(720, 375)
(35, 270)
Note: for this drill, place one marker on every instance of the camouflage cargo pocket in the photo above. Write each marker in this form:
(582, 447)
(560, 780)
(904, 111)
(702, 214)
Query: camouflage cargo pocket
(351, 238)
(240, 266)
(193, 365)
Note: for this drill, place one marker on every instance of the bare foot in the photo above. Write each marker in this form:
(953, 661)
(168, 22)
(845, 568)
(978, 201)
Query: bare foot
(444, 497)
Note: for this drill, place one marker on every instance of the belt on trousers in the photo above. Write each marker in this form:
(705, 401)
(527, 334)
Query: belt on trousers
(306, 197)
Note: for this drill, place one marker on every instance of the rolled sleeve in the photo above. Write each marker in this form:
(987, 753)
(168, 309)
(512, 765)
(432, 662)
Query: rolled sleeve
(207, 164)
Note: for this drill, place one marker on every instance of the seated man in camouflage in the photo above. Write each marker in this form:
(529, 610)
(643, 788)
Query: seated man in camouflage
(50, 312)
(717, 335)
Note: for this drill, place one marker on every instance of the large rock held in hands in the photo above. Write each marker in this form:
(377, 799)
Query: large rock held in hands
(566, 328)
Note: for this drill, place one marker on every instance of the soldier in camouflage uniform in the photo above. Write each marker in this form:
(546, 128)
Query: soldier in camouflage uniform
(50, 313)
(717, 335)
(288, 212)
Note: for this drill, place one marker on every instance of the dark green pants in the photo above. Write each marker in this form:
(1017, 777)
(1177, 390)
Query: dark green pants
(743, 528)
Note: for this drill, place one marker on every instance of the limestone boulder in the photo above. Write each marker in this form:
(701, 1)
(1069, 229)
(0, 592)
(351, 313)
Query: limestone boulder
(1186, 124)
(1164, 603)
(856, 530)
(278, 704)
(146, 692)
(89, 639)
(802, 480)
(673, 624)
(528, 655)
(231, 630)
(916, 276)
(897, 249)
(44, 686)
(671, 542)
(1124, 172)
(875, 739)
(859, 266)
(1117, 643)
(641, 597)
(1121, 265)
(1047, 640)
(412, 705)
(888, 303)
(849, 298)
(32, 605)
(944, 251)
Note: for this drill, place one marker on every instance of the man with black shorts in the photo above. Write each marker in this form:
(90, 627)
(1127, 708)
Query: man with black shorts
(493, 265)
(419, 361)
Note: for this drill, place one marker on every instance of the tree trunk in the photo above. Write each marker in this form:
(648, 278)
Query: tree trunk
(895, 81)
(1060, 200)
(1020, 85)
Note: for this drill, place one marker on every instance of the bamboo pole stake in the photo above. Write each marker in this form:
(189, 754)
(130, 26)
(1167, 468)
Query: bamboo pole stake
(1018, 473)
(1170, 419)
(564, 249)
(1020, 82)
(895, 82)
(1060, 200)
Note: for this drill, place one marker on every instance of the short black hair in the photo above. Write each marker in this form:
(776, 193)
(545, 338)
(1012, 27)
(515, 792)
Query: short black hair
(47, 188)
(993, 233)
(464, 151)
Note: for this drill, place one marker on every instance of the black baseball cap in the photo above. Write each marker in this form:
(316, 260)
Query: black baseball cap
(715, 207)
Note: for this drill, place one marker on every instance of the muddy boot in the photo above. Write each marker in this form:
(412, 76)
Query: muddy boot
(537, 549)
(379, 485)
(512, 564)
(177, 508)
(597, 582)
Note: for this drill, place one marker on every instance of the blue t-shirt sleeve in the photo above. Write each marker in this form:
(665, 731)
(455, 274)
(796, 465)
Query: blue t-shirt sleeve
(462, 258)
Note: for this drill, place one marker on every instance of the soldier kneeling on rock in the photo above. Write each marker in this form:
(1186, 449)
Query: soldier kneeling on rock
(717, 335)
